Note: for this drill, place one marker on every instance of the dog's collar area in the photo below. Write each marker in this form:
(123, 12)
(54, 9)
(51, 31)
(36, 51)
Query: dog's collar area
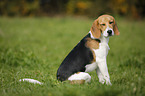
(94, 38)
(98, 40)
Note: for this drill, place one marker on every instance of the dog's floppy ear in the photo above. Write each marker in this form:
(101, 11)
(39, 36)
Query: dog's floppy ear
(115, 28)
(95, 29)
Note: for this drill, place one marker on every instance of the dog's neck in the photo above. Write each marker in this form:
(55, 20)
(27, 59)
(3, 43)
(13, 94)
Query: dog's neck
(102, 38)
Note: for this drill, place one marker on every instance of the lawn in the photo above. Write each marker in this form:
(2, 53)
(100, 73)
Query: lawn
(35, 47)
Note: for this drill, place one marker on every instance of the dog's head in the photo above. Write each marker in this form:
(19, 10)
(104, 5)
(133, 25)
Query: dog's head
(104, 25)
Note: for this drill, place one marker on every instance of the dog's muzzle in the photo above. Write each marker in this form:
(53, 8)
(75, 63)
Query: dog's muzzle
(108, 32)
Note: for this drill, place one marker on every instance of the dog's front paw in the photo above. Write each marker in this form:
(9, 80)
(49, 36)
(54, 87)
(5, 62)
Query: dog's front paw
(108, 82)
(101, 80)
(107, 79)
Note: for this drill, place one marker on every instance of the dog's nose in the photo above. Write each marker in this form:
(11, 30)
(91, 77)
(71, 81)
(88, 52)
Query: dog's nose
(109, 32)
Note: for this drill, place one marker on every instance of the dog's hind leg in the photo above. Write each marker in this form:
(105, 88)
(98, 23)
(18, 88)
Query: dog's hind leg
(80, 78)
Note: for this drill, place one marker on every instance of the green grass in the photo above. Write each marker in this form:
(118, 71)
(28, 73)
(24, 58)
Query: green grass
(35, 47)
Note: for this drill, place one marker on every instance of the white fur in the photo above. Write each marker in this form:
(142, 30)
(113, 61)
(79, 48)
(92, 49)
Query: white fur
(91, 67)
(100, 65)
(31, 81)
(80, 76)
(105, 32)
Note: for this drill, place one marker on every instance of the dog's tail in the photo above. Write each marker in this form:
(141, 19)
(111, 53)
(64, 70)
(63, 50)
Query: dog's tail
(31, 81)
(77, 78)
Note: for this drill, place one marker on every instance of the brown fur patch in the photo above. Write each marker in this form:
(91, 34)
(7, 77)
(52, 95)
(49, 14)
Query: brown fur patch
(94, 57)
(78, 72)
(95, 29)
(92, 44)
(77, 82)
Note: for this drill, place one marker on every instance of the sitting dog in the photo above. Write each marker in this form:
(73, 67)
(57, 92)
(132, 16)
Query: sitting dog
(90, 54)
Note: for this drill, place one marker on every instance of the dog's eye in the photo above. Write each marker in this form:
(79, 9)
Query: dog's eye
(110, 22)
(103, 24)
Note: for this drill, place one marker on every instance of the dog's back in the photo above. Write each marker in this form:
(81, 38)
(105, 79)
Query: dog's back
(76, 60)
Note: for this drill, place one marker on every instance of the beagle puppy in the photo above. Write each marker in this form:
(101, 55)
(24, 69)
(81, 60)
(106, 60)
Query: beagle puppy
(90, 54)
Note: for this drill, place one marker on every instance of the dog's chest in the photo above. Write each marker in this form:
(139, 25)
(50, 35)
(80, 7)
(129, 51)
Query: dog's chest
(100, 55)
(102, 52)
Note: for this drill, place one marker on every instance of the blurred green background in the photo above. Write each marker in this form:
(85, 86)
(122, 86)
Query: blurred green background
(90, 8)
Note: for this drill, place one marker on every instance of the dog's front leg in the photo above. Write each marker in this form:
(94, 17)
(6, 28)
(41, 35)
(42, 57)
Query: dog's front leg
(100, 76)
(103, 72)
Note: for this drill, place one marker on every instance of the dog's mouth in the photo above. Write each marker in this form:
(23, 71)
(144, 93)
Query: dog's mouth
(109, 35)
(108, 32)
